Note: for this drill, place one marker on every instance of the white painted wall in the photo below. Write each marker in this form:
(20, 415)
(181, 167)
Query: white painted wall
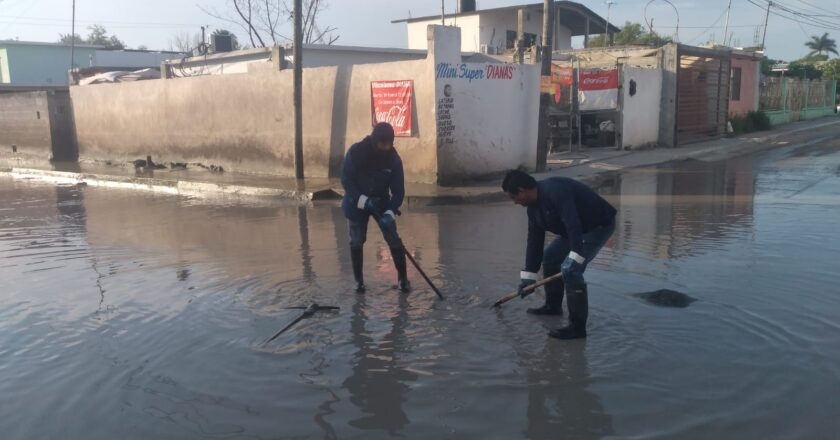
(485, 125)
(562, 38)
(641, 111)
(470, 33)
(503, 21)
(490, 28)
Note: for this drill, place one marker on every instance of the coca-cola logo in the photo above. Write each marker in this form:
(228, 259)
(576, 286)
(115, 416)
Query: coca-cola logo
(394, 116)
(599, 80)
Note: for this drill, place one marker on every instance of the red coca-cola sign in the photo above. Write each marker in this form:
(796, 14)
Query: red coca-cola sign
(598, 79)
(391, 102)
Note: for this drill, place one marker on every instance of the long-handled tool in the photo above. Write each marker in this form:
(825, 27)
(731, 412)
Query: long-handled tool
(530, 288)
(414, 262)
(417, 266)
(308, 311)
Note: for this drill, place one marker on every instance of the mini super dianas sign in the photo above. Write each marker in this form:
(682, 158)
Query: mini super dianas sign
(390, 102)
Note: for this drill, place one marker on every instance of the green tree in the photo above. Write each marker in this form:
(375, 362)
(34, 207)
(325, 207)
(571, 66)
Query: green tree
(767, 65)
(67, 39)
(803, 69)
(98, 36)
(831, 69)
(818, 45)
(631, 34)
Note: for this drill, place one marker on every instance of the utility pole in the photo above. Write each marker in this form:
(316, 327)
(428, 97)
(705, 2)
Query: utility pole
(545, 71)
(608, 42)
(766, 17)
(442, 12)
(298, 74)
(73, 43)
(726, 28)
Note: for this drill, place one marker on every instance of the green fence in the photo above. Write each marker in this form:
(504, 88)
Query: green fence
(787, 100)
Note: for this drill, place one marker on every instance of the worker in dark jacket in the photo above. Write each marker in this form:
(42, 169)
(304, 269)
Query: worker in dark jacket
(582, 221)
(372, 177)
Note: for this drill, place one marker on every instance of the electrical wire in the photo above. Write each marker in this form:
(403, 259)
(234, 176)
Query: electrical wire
(818, 23)
(708, 28)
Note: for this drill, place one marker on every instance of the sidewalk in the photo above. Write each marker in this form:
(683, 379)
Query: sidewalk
(200, 183)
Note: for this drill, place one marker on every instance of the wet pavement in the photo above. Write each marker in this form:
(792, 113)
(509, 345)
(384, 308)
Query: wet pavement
(138, 315)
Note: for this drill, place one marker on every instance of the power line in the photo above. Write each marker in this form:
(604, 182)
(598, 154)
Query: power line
(707, 29)
(64, 20)
(793, 11)
(813, 23)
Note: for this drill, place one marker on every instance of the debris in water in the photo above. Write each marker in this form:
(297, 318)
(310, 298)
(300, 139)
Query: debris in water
(666, 298)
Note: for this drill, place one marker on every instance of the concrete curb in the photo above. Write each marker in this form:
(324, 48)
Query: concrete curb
(172, 187)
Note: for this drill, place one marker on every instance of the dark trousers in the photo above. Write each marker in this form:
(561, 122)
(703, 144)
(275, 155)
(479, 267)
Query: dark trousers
(358, 232)
(557, 251)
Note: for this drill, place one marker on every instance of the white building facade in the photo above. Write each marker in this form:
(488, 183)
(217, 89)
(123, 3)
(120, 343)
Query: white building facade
(494, 31)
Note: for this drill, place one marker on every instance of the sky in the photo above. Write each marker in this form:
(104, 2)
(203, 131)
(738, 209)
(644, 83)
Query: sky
(153, 23)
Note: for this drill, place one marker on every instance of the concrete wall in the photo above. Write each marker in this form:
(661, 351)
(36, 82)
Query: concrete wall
(245, 122)
(24, 122)
(487, 113)
(326, 55)
(640, 126)
(750, 79)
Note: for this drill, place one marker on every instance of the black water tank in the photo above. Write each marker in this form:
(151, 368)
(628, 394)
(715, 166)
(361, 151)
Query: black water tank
(467, 5)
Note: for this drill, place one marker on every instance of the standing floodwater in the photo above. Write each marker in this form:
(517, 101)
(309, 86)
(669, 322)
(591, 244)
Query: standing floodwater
(128, 315)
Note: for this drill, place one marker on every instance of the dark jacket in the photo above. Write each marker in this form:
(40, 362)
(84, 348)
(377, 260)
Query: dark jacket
(371, 172)
(567, 208)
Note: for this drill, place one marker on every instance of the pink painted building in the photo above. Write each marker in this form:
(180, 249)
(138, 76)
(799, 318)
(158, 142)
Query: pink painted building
(745, 76)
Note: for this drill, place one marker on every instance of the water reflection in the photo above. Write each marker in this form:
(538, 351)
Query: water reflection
(560, 404)
(681, 209)
(378, 383)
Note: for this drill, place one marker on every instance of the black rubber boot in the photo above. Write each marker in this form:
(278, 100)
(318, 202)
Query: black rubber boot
(553, 300)
(398, 254)
(578, 302)
(357, 256)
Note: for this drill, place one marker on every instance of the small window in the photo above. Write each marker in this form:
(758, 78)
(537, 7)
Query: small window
(736, 84)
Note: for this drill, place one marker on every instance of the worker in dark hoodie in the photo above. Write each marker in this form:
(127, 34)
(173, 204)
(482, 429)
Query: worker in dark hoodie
(582, 221)
(373, 181)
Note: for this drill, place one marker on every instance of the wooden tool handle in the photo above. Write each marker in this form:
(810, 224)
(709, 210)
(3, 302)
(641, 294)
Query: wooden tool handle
(530, 288)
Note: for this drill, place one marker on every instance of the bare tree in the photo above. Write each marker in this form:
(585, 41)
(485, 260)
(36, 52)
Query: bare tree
(261, 20)
(184, 42)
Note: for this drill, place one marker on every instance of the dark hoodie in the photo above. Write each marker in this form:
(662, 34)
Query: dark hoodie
(370, 171)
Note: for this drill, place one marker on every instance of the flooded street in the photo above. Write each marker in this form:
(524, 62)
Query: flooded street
(132, 315)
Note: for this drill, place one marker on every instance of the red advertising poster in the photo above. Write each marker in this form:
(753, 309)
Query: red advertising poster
(598, 89)
(598, 79)
(561, 75)
(391, 102)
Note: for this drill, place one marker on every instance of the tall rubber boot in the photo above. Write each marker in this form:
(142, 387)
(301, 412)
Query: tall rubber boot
(398, 254)
(553, 299)
(357, 256)
(577, 298)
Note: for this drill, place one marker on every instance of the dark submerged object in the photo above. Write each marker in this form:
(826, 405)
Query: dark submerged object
(666, 298)
(307, 312)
